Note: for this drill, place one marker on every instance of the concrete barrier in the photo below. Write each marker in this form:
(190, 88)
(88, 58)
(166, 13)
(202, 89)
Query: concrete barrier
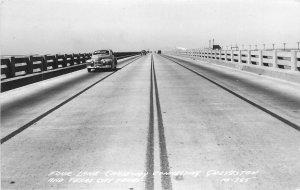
(274, 63)
(21, 71)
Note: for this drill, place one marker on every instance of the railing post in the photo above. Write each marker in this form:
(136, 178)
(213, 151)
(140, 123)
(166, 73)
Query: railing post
(29, 64)
(44, 63)
(220, 55)
(55, 61)
(225, 55)
(294, 66)
(240, 56)
(249, 57)
(275, 59)
(64, 63)
(11, 68)
(81, 58)
(72, 59)
(78, 58)
(260, 58)
(232, 56)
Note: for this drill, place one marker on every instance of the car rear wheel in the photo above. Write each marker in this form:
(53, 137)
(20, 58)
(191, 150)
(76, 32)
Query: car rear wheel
(89, 70)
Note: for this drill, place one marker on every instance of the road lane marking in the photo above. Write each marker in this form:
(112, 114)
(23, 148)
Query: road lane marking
(280, 118)
(19, 130)
(150, 141)
(164, 163)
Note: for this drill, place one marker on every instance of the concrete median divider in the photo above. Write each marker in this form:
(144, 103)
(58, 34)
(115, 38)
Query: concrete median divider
(18, 71)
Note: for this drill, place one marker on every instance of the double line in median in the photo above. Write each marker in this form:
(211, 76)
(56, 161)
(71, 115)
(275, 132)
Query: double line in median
(164, 163)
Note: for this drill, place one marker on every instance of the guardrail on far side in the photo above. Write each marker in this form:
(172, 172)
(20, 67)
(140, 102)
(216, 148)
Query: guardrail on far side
(280, 60)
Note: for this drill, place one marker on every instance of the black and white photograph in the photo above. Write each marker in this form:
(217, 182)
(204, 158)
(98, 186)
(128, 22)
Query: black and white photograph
(150, 94)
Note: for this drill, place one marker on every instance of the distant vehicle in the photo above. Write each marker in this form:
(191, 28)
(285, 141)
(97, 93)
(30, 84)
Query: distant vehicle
(216, 47)
(159, 52)
(102, 59)
(143, 52)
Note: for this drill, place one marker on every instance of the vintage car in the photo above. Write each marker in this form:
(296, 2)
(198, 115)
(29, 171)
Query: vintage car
(102, 59)
(143, 52)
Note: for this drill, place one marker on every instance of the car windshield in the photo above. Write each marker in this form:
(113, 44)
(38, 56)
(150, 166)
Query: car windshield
(102, 52)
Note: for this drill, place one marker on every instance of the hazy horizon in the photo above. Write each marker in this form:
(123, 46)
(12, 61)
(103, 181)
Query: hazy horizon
(66, 26)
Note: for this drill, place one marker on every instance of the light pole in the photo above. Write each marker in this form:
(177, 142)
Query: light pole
(264, 46)
(250, 47)
(298, 44)
(273, 46)
(255, 47)
(284, 46)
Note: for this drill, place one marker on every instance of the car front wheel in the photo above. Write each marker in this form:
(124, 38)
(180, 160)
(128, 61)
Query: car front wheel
(116, 62)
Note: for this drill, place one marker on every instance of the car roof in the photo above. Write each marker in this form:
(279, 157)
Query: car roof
(103, 50)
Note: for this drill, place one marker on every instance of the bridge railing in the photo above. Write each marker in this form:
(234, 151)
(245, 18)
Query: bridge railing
(20, 66)
(23, 65)
(17, 71)
(286, 60)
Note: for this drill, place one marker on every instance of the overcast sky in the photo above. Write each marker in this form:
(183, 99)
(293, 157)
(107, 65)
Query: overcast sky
(65, 26)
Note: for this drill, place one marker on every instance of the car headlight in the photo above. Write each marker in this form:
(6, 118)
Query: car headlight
(90, 61)
(105, 60)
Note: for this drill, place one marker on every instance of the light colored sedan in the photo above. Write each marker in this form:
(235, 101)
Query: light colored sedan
(102, 59)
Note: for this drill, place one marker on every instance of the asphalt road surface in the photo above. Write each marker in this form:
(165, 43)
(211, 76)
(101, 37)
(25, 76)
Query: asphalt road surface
(158, 122)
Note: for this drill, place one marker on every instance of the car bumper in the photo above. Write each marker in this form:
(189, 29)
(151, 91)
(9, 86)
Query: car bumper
(98, 65)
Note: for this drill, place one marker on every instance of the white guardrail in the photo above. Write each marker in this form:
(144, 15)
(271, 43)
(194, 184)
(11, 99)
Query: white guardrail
(286, 60)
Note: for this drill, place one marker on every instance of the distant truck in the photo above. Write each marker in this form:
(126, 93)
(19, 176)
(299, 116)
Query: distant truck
(159, 52)
(143, 52)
